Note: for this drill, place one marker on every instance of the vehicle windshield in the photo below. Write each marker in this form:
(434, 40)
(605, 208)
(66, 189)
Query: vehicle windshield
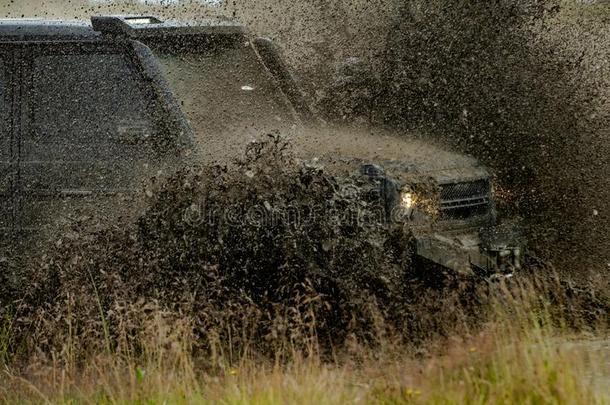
(227, 94)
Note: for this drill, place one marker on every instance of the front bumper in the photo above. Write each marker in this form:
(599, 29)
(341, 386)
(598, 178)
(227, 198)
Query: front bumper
(486, 252)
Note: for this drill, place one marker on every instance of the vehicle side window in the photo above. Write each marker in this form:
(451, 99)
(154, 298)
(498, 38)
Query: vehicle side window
(6, 177)
(82, 105)
(93, 122)
(5, 134)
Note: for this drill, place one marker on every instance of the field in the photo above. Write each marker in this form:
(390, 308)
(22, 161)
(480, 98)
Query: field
(516, 358)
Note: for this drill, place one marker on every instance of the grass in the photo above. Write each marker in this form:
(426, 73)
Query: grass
(517, 358)
(526, 371)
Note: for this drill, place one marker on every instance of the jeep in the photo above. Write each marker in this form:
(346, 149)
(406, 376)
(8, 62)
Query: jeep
(91, 109)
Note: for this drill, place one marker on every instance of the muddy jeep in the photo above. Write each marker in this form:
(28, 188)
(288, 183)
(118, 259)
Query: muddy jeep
(88, 110)
(91, 110)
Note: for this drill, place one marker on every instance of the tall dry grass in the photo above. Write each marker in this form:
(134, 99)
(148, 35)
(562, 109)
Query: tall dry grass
(524, 354)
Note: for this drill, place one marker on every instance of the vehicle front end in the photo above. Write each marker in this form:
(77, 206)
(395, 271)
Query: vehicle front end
(451, 214)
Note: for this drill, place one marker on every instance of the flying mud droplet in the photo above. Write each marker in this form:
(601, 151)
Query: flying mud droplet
(327, 245)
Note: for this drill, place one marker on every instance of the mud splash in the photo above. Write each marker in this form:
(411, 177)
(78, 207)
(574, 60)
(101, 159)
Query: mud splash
(268, 251)
(271, 246)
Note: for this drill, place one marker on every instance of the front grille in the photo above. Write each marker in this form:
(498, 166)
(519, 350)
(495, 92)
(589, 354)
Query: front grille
(465, 200)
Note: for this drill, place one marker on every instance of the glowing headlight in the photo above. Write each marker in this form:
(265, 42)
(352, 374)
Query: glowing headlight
(407, 201)
(403, 210)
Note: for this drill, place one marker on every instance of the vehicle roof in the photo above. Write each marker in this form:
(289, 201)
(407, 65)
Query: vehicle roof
(26, 28)
(41, 29)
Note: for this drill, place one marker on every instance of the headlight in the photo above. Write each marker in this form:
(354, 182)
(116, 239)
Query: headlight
(407, 201)
(403, 211)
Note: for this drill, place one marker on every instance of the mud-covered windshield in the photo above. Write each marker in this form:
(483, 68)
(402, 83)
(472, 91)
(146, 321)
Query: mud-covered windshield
(224, 89)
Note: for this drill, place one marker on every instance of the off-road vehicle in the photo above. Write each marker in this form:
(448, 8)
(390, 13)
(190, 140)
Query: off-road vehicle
(89, 110)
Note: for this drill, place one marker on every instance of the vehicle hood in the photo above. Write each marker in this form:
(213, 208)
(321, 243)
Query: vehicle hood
(400, 155)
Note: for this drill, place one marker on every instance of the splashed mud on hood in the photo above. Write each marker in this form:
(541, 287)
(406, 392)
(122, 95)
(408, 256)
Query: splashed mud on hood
(344, 148)
(389, 149)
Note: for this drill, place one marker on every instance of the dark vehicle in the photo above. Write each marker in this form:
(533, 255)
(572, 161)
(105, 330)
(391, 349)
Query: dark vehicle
(90, 110)
(87, 111)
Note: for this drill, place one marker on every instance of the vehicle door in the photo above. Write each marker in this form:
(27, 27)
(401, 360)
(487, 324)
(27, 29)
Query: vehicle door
(90, 134)
(8, 151)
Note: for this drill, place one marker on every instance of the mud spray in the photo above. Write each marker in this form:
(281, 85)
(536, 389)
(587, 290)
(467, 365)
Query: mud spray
(528, 98)
(184, 255)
